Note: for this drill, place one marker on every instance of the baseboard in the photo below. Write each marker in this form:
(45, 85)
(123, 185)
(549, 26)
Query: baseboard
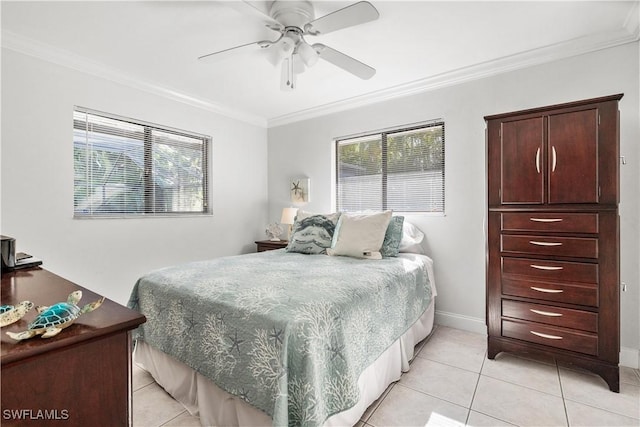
(630, 357)
(459, 321)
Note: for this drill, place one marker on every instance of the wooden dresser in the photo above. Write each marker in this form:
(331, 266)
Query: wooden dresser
(553, 234)
(80, 377)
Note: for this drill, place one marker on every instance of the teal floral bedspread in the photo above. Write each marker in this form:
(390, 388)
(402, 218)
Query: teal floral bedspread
(286, 332)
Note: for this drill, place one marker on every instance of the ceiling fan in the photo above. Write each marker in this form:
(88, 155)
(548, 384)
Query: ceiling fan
(294, 20)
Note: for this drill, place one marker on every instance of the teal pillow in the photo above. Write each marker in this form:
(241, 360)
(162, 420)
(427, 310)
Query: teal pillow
(392, 237)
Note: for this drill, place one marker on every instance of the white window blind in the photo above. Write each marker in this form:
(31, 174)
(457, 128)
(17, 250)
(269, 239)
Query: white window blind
(402, 170)
(124, 167)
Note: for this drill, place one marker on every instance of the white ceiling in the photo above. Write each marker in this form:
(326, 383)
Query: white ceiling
(414, 46)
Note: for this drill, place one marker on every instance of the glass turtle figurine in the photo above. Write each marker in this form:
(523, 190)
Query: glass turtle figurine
(10, 314)
(51, 320)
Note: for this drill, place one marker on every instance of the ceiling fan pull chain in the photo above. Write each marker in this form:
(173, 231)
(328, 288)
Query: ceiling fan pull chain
(291, 70)
(288, 72)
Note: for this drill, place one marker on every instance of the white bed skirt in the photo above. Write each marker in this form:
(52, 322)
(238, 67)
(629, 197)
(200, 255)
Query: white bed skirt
(215, 407)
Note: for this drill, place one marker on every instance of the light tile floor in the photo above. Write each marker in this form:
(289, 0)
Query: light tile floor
(452, 383)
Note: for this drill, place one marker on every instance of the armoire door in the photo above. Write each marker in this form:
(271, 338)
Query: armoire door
(573, 157)
(522, 161)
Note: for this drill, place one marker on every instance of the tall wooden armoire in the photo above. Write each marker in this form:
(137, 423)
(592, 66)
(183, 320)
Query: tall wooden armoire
(553, 234)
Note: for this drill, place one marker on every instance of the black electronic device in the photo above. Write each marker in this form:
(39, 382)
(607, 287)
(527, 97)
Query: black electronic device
(12, 260)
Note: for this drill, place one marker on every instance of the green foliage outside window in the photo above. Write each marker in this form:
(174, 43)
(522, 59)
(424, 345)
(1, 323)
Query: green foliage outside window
(401, 170)
(122, 168)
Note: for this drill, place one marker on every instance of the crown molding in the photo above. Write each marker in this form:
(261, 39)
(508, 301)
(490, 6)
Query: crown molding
(632, 22)
(27, 46)
(628, 34)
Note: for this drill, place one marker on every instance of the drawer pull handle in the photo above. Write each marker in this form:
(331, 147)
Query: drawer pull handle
(541, 335)
(553, 159)
(538, 159)
(545, 313)
(545, 267)
(549, 291)
(546, 219)
(534, 242)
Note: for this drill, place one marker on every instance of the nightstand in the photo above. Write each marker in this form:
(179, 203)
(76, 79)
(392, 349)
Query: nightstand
(269, 245)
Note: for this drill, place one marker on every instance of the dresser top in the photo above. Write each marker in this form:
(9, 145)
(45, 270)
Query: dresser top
(45, 288)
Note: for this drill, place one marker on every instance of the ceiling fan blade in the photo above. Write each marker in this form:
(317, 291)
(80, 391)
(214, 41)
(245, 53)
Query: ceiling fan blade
(345, 62)
(210, 57)
(357, 13)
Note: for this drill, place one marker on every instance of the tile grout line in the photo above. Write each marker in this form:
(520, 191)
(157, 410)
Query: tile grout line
(600, 409)
(475, 390)
(564, 401)
(168, 421)
(524, 386)
(144, 386)
(454, 366)
(385, 394)
(474, 394)
(579, 402)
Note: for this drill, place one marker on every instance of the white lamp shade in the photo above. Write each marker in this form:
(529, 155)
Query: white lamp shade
(287, 44)
(298, 64)
(288, 215)
(308, 54)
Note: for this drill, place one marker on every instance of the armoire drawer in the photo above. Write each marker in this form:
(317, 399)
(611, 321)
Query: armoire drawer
(571, 293)
(550, 222)
(569, 339)
(550, 245)
(545, 270)
(550, 315)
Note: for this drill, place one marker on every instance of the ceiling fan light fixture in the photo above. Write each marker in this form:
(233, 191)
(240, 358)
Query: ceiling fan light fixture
(298, 64)
(307, 53)
(287, 43)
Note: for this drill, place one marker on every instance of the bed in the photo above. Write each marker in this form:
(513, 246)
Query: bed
(283, 338)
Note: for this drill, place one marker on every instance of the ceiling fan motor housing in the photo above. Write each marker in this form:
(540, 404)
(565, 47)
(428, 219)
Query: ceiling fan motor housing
(292, 13)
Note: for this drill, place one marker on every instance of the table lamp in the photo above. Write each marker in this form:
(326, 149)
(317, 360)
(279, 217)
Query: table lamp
(288, 218)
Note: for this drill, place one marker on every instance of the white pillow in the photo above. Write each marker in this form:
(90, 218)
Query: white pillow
(412, 238)
(360, 235)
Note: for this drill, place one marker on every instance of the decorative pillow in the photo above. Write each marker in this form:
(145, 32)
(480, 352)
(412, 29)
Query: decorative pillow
(360, 235)
(300, 215)
(411, 239)
(392, 238)
(312, 234)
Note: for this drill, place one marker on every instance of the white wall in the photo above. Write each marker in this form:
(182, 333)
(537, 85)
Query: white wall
(108, 256)
(456, 241)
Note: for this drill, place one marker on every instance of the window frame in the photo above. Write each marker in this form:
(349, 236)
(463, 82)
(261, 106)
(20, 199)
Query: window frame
(383, 135)
(148, 143)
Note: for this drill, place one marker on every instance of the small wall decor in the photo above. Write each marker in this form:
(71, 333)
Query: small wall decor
(299, 190)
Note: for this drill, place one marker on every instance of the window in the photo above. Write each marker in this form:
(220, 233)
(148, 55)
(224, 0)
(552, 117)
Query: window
(128, 168)
(402, 170)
